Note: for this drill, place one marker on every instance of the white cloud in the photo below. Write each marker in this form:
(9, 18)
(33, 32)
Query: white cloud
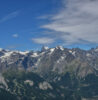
(43, 40)
(9, 16)
(76, 22)
(15, 35)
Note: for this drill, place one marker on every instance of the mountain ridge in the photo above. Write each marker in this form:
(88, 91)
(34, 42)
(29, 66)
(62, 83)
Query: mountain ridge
(54, 57)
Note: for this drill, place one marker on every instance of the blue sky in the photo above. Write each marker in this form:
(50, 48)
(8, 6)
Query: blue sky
(30, 24)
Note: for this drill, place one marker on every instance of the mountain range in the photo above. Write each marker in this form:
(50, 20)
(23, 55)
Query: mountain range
(49, 74)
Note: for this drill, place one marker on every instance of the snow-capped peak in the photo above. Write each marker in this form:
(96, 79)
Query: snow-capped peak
(1, 49)
(44, 48)
(60, 47)
(96, 49)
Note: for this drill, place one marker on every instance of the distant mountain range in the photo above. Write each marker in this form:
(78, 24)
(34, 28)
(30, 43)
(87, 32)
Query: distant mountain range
(50, 74)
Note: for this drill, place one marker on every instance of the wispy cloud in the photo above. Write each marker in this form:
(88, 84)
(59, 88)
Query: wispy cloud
(76, 22)
(9, 16)
(14, 46)
(45, 17)
(15, 35)
(43, 40)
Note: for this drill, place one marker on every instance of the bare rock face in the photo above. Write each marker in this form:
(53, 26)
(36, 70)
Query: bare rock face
(45, 86)
(3, 82)
(31, 83)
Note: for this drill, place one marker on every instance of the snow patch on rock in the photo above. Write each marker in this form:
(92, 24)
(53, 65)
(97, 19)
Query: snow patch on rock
(24, 53)
(52, 50)
(34, 54)
(5, 56)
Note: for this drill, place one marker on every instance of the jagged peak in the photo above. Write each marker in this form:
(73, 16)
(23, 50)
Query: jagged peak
(60, 47)
(1, 49)
(44, 48)
(96, 49)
